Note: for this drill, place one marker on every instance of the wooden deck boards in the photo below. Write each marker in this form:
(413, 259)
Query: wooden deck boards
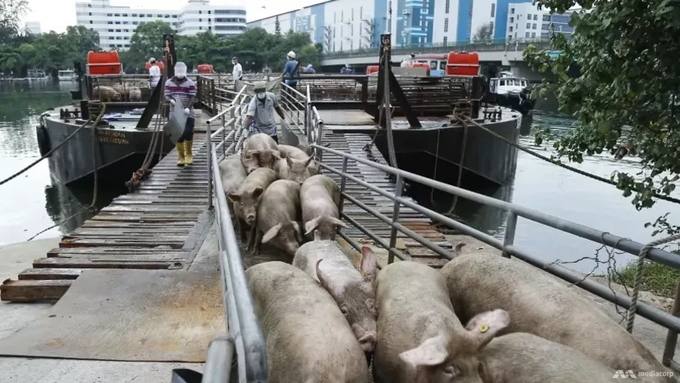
(159, 226)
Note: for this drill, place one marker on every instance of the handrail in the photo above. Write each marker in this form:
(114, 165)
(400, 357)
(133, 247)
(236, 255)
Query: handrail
(672, 323)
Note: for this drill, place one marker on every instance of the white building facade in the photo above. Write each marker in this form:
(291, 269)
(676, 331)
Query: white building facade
(33, 27)
(346, 25)
(116, 24)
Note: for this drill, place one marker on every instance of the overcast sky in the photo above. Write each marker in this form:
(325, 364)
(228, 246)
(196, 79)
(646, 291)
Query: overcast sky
(57, 18)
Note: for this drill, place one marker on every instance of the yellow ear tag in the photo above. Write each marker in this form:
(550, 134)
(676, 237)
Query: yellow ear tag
(484, 328)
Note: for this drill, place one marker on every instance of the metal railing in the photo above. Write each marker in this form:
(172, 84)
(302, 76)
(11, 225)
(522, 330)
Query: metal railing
(486, 46)
(507, 246)
(243, 325)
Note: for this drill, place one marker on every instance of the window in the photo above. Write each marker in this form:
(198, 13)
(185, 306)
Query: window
(446, 24)
(526, 34)
(512, 11)
(109, 14)
(352, 17)
(533, 26)
(117, 30)
(442, 64)
(491, 26)
(446, 6)
(125, 15)
(546, 17)
(493, 10)
(528, 25)
(90, 21)
(446, 40)
(117, 14)
(433, 65)
(512, 20)
(510, 29)
(533, 34)
(535, 17)
(109, 22)
(110, 30)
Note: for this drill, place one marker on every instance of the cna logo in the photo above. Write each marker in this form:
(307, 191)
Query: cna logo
(624, 374)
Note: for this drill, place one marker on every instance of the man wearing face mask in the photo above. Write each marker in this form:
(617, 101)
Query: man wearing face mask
(261, 111)
(181, 91)
(237, 72)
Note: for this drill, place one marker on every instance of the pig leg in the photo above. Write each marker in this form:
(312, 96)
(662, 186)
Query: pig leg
(258, 242)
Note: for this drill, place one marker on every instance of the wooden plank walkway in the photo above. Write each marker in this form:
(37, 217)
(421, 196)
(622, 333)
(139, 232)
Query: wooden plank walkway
(159, 226)
(353, 143)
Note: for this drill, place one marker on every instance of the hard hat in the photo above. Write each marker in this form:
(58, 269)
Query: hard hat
(260, 86)
(152, 60)
(291, 54)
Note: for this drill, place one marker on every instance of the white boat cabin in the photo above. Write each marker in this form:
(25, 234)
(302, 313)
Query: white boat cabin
(507, 83)
(66, 75)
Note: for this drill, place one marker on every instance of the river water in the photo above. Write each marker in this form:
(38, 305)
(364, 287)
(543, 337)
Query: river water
(31, 203)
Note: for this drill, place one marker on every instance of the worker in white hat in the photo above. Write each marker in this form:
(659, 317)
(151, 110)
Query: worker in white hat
(261, 111)
(154, 73)
(291, 73)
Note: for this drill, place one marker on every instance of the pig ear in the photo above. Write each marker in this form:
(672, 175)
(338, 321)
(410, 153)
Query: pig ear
(431, 352)
(234, 197)
(483, 327)
(276, 154)
(311, 225)
(337, 222)
(289, 162)
(271, 233)
(317, 236)
(257, 192)
(334, 289)
(369, 263)
(309, 160)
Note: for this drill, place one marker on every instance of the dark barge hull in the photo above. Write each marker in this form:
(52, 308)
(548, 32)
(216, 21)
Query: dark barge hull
(436, 153)
(120, 152)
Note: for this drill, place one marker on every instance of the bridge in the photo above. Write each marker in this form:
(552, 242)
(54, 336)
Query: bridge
(159, 227)
(502, 52)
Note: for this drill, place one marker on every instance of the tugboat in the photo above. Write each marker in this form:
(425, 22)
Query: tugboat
(510, 91)
(118, 145)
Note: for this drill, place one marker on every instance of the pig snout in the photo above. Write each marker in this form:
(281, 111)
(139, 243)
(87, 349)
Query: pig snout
(250, 219)
(367, 343)
(292, 247)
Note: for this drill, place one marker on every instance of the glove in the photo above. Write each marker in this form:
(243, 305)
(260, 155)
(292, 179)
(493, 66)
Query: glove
(187, 111)
(172, 102)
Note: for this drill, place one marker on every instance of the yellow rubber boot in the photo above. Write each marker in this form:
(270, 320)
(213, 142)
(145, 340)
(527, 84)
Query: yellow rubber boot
(189, 156)
(180, 153)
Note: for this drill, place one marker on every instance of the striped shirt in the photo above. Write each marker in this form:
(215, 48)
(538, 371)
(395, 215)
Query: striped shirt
(182, 91)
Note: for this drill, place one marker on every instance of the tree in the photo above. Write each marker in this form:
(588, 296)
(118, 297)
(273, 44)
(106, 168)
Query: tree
(277, 26)
(11, 13)
(146, 42)
(484, 33)
(626, 98)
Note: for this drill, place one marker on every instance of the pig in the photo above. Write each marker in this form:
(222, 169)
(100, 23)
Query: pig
(295, 170)
(247, 198)
(288, 151)
(278, 217)
(320, 198)
(420, 339)
(352, 290)
(539, 304)
(105, 94)
(259, 151)
(526, 358)
(307, 338)
(233, 174)
(135, 94)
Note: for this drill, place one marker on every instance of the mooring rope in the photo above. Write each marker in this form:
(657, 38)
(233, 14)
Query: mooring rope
(95, 151)
(637, 282)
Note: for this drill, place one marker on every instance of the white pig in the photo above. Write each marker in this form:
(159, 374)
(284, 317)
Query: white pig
(527, 358)
(259, 151)
(320, 197)
(351, 289)
(233, 174)
(278, 215)
(307, 338)
(539, 304)
(420, 339)
(247, 198)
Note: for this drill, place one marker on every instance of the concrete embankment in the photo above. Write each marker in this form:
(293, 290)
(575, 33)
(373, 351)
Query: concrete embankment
(18, 257)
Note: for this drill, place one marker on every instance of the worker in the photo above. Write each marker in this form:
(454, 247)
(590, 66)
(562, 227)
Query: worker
(237, 73)
(154, 73)
(181, 92)
(310, 69)
(261, 112)
(291, 72)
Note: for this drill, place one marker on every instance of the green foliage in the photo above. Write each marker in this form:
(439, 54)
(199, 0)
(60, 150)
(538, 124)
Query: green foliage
(48, 51)
(627, 51)
(255, 49)
(656, 278)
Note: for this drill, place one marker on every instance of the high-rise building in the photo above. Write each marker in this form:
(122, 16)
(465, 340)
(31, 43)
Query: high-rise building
(344, 25)
(33, 27)
(116, 24)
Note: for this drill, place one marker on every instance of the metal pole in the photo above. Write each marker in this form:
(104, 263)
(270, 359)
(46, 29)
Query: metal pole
(510, 228)
(210, 170)
(672, 336)
(218, 362)
(343, 185)
(395, 218)
(224, 133)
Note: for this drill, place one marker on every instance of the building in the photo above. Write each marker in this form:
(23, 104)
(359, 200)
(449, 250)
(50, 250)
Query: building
(116, 24)
(33, 27)
(345, 25)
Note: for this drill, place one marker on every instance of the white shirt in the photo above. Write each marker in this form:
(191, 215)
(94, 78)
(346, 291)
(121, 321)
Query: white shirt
(237, 72)
(155, 74)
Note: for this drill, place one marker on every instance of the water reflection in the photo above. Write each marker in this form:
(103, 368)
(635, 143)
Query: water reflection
(30, 203)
